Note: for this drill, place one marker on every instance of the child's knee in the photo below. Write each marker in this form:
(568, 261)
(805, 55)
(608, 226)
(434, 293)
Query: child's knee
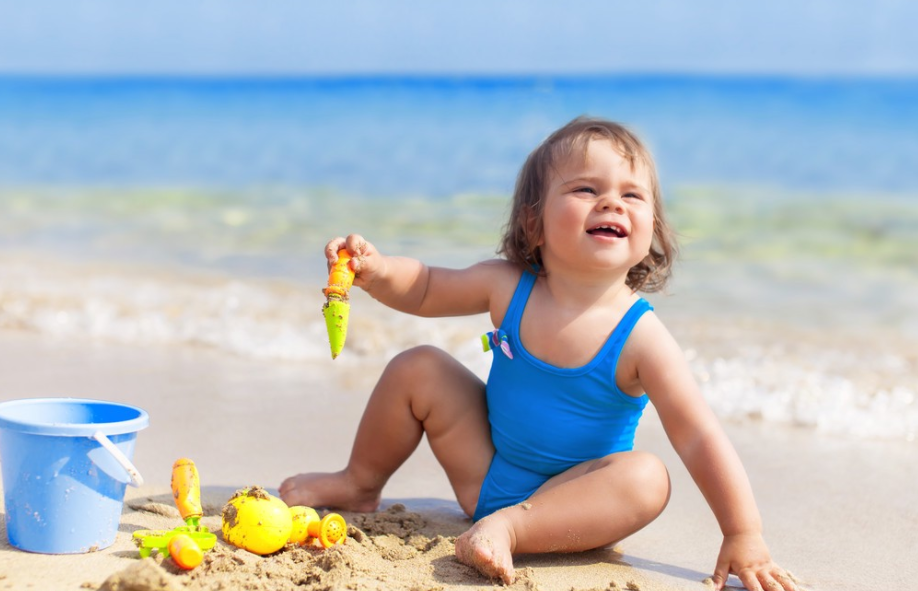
(650, 480)
(418, 361)
(644, 477)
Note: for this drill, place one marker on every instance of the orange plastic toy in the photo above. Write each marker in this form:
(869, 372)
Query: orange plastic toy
(185, 552)
(337, 308)
(185, 544)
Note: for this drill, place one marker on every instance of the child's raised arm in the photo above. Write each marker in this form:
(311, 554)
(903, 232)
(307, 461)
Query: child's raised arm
(410, 286)
(710, 458)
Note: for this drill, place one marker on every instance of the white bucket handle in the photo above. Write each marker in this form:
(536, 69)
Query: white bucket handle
(136, 478)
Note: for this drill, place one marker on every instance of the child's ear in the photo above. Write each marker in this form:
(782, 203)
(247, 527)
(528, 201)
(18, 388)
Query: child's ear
(533, 228)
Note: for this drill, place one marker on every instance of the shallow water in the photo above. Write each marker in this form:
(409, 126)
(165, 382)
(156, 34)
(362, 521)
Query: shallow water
(819, 340)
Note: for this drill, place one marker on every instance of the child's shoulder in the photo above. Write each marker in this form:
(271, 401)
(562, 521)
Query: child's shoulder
(500, 271)
(502, 278)
(649, 327)
(651, 340)
(501, 275)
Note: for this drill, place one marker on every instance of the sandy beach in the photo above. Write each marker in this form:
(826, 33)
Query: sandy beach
(164, 208)
(840, 514)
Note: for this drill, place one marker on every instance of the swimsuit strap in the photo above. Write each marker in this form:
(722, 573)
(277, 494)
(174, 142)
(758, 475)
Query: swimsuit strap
(616, 340)
(518, 302)
(613, 344)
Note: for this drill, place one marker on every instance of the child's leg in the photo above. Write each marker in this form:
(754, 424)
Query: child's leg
(591, 505)
(423, 390)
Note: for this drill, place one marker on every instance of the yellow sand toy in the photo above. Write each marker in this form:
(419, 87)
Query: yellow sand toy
(328, 531)
(263, 524)
(337, 308)
(256, 521)
(185, 544)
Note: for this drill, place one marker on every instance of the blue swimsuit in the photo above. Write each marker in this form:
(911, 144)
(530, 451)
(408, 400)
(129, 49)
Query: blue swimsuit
(546, 419)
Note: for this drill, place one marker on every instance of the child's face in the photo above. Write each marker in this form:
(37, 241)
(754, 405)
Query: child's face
(598, 212)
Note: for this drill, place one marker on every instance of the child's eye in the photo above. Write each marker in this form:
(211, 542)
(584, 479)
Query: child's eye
(589, 190)
(634, 196)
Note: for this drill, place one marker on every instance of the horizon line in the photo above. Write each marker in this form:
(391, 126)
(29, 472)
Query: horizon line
(456, 76)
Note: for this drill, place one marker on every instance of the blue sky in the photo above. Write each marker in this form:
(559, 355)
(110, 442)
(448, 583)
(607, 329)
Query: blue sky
(796, 37)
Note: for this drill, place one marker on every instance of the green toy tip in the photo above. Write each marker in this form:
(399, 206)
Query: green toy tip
(336, 313)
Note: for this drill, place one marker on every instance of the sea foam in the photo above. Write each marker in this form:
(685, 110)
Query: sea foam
(828, 389)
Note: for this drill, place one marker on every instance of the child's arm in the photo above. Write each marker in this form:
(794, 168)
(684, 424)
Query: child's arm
(708, 455)
(410, 286)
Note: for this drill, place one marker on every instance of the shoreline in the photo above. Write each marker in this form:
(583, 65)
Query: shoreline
(815, 358)
(836, 511)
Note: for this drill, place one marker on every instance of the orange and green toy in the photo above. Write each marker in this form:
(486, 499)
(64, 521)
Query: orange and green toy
(185, 544)
(337, 307)
(185, 552)
(328, 531)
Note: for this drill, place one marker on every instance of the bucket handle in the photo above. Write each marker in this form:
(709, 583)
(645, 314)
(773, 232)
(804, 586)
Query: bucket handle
(133, 473)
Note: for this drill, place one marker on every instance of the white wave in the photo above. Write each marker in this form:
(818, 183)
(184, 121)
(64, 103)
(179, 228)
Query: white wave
(819, 388)
(252, 318)
(777, 388)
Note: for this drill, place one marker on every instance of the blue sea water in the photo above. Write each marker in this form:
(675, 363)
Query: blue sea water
(442, 136)
(193, 211)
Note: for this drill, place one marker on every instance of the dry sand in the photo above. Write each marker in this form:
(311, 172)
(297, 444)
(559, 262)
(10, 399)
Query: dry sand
(839, 514)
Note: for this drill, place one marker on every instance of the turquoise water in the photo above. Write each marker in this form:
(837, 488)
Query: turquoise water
(193, 212)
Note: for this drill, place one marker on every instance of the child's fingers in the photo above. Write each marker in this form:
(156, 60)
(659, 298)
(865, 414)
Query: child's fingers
(360, 249)
(750, 579)
(721, 572)
(332, 248)
(357, 245)
(769, 583)
(783, 579)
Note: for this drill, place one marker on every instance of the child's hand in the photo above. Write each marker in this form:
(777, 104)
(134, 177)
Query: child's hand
(746, 556)
(365, 261)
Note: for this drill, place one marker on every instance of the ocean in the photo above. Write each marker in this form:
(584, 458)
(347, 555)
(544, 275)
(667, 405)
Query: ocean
(185, 212)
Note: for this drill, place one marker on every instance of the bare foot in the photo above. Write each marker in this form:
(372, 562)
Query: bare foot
(487, 547)
(328, 489)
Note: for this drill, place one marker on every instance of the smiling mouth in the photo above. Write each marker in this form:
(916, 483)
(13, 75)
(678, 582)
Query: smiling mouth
(612, 231)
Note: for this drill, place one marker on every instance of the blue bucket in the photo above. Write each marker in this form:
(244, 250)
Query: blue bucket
(66, 463)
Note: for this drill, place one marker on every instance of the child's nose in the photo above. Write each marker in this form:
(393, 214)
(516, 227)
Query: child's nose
(611, 201)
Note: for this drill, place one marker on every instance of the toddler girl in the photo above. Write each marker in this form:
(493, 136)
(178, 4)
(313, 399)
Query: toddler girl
(541, 455)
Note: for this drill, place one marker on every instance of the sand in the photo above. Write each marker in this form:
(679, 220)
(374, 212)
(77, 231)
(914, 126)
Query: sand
(840, 514)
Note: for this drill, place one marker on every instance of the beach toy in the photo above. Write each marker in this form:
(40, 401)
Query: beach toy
(301, 516)
(337, 308)
(185, 552)
(66, 463)
(185, 544)
(256, 521)
(328, 531)
(497, 338)
(186, 490)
